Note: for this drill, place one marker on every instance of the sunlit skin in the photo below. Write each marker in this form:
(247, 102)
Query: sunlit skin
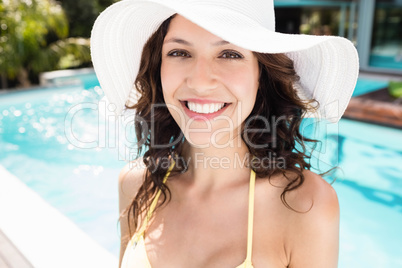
(202, 68)
(205, 222)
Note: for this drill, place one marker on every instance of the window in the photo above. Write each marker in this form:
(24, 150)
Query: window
(386, 43)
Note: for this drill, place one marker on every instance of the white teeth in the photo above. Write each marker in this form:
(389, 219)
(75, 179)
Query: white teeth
(198, 107)
(206, 108)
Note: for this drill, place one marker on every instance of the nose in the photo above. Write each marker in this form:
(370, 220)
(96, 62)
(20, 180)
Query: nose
(202, 76)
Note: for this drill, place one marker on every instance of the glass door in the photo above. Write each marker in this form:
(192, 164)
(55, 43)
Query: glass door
(386, 43)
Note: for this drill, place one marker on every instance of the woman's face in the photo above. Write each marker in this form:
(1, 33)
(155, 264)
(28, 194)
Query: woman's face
(209, 85)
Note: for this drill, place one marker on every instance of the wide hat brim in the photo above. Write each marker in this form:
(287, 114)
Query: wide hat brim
(327, 65)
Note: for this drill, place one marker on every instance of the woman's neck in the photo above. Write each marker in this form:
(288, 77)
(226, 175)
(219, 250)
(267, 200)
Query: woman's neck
(213, 167)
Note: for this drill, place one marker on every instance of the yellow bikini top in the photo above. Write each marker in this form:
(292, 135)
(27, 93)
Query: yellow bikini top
(135, 254)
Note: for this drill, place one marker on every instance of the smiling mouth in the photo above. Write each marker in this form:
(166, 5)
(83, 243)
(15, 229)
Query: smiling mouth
(206, 108)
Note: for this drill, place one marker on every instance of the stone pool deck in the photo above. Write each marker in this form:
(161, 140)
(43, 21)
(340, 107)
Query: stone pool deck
(35, 234)
(376, 107)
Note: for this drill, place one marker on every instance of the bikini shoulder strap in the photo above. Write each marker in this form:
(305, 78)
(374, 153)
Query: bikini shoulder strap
(154, 203)
(250, 217)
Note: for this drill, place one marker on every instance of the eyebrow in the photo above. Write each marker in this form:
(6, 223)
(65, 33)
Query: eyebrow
(184, 42)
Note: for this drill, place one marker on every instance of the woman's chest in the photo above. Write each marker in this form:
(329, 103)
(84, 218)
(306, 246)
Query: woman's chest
(215, 237)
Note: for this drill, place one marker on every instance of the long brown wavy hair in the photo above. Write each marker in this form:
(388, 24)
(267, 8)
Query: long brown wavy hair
(276, 99)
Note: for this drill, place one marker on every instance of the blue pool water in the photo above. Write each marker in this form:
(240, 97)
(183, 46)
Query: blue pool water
(389, 62)
(364, 86)
(80, 180)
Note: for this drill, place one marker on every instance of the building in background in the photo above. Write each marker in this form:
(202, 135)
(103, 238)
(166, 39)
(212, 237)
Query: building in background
(374, 26)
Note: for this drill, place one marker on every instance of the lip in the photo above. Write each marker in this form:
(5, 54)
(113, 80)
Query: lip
(202, 117)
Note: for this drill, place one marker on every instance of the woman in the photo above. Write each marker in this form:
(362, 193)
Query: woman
(224, 180)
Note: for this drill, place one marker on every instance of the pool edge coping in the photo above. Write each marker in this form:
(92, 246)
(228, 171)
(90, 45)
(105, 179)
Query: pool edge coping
(45, 236)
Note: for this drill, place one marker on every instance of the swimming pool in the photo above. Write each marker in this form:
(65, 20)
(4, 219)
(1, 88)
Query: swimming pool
(82, 182)
(79, 182)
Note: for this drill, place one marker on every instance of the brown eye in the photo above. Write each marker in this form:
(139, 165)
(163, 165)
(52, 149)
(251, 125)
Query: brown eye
(231, 55)
(179, 53)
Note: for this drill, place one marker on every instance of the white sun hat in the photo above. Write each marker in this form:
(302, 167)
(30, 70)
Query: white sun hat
(327, 65)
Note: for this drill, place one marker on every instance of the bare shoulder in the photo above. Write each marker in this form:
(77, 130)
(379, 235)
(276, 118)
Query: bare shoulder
(130, 180)
(317, 194)
(314, 238)
(307, 230)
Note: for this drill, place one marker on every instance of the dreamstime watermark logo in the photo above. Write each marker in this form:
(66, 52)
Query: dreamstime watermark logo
(118, 131)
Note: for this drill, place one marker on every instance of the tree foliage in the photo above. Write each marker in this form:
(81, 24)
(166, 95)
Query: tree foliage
(34, 38)
(82, 14)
